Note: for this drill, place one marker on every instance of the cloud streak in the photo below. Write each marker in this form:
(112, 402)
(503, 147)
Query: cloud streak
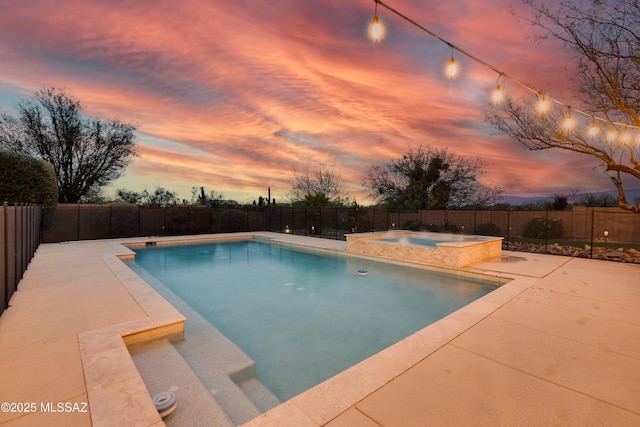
(233, 94)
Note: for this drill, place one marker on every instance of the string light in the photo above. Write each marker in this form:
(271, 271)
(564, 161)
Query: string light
(625, 138)
(568, 123)
(376, 29)
(593, 130)
(498, 94)
(543, 106)
(544, 102)
(452, 68)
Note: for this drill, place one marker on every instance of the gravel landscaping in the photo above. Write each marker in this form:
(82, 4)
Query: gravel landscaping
(629, 255)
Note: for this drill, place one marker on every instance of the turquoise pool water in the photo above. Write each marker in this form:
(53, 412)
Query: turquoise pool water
(304, 316)
(423, 241)
(411, 241)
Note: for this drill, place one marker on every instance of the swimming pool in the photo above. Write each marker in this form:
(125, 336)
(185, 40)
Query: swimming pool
(304, 316)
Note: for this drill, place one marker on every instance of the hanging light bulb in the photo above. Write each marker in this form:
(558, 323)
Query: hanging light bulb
(625, 138)
(543, 105)
(452, 68)
(611, 135)
(498, 94)
(376, 29)
(593, 130)
(568, 123)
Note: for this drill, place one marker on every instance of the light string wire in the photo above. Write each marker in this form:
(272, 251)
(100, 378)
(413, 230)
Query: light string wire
(501, 73)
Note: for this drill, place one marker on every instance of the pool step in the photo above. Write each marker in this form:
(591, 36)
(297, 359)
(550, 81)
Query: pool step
(258, 393)
(223, 368)
(163, 369)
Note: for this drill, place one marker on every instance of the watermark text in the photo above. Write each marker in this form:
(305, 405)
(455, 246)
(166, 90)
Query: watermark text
(49, 407)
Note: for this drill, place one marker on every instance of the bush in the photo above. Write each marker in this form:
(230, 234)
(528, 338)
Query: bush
(451, 228)
(435, 228)
(541, 228)
(24, 179)
(488, 229)
(413, 225)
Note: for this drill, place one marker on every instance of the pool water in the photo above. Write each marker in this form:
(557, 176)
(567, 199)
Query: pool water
(422, 241)
(304, 316)
(412, 241)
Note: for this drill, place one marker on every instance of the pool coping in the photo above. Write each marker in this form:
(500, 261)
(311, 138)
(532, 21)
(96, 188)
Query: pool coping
(110, 372)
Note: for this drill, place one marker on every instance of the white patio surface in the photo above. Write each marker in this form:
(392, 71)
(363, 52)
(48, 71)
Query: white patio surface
(559, 345)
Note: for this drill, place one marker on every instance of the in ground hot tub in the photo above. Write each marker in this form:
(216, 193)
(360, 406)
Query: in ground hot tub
(443, 249)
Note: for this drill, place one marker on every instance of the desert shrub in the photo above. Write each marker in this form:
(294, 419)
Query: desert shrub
(434, 228)
(412, 225)
(347, 224)
(451, 228)
(488, 229)
(543, 228)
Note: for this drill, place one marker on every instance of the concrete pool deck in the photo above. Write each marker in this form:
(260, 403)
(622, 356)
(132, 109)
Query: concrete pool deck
(559, 345)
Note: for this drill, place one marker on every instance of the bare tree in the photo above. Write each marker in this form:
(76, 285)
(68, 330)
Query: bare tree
(605, 37)
(427, 178)
(86, 153)
(316, 187)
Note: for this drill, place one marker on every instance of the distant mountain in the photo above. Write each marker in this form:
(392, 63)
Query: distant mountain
(631, 194)
(517, 201)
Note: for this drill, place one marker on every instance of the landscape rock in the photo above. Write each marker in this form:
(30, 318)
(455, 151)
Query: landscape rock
(630, 255)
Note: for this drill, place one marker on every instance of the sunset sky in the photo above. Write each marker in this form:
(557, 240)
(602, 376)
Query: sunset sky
(232, 94)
